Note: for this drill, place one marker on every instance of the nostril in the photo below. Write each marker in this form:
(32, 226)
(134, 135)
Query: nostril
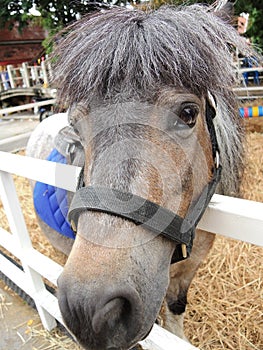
(121, 311)
(114, 312)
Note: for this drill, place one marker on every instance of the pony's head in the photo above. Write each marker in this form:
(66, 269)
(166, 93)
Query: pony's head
(151, 101)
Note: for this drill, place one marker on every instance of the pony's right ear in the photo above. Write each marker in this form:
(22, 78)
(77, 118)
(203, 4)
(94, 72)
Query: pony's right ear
(224, 10)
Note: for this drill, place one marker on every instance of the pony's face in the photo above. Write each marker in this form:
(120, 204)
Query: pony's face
(117, 274)
(140, 82)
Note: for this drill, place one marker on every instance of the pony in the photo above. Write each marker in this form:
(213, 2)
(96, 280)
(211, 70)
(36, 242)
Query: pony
(152, 121)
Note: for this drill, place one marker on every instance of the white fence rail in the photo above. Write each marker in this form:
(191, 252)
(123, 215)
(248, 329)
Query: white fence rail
(245, 90)
(236, 218)
(6, 111)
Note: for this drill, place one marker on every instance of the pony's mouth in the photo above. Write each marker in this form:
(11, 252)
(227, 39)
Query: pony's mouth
(147, 333)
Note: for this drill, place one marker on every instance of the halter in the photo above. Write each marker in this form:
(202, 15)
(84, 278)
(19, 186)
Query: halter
(149, 214)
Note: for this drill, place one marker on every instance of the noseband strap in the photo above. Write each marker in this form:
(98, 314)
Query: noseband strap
(146, 213)
(149, 214)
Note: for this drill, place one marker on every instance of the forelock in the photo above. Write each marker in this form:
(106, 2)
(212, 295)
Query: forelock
(135, 54)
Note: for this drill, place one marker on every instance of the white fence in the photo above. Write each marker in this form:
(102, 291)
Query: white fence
(243, 90)
(236, 218)
(35, 105)
(25, 76)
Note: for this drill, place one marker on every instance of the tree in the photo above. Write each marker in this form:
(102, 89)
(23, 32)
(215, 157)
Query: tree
(255, 10)
(54, 13)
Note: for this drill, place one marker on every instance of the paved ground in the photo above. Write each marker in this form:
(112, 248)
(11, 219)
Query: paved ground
(16, 318)
(15, 131)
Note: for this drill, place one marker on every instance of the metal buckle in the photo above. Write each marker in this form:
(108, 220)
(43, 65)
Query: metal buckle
(70, 148)
(73, 226)
(184, 250)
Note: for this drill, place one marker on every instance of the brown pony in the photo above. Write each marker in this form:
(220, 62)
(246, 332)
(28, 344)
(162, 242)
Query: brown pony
(150, 108)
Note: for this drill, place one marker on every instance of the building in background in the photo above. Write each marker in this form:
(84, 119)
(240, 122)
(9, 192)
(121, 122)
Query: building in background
(17, 47)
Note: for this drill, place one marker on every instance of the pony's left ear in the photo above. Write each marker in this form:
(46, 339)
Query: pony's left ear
(224, 10)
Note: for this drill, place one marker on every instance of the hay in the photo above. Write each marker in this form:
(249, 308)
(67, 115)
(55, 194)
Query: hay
(252, 185)
(39, 240)
(54, 340)
(225, 308)
(3, 306)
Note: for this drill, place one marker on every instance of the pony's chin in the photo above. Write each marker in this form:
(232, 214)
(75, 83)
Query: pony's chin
(109, 346)
(109, 343)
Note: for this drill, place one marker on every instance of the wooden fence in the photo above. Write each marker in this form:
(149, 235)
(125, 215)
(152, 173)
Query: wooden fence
(235, 218)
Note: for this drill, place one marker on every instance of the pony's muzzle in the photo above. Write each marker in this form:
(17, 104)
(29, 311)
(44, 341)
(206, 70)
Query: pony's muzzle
(110, 318)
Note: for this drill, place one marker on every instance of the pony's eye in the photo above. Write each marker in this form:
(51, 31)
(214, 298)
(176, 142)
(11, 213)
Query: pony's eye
(187, 116)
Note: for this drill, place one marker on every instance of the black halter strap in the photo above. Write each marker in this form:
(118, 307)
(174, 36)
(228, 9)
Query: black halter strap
(149, 214)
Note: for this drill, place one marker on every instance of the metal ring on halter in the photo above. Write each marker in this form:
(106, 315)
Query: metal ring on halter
(217, 160)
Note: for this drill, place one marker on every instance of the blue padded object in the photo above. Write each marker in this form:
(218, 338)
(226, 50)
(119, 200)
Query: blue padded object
(51, 202)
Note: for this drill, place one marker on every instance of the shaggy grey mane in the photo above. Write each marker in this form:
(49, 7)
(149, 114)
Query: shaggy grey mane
(133, 54)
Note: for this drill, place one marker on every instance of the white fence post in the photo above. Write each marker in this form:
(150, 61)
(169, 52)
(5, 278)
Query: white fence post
(1, 82)
(10, 76)
(20, 235)
(45, 74)
(26, 78)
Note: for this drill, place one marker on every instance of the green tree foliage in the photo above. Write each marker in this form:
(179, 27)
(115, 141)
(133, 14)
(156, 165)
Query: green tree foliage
(255, 10)
(54, 13)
